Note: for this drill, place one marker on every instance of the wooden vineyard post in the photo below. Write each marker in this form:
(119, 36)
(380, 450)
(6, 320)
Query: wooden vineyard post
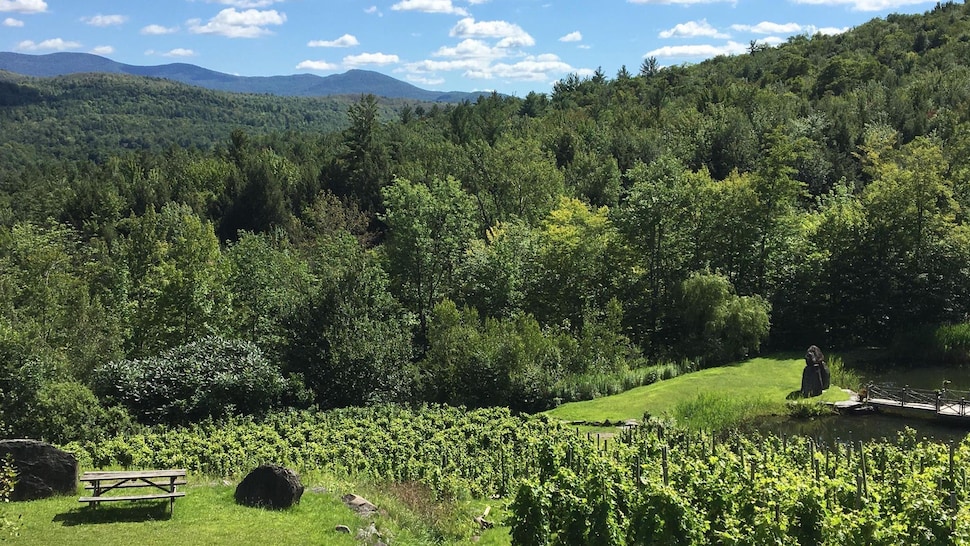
(953, 492)
(952, 481)
(811, 454)
(838, 452)
(663, 463)
(858, 491)
(638, 471)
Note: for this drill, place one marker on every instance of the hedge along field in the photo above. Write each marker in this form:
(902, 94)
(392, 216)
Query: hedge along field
(454, 452)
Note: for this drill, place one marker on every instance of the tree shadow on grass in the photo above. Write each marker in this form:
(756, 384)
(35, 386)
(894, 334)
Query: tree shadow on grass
(125, 513)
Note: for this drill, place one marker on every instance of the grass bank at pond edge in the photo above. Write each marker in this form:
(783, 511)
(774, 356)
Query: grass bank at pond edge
(711, 398)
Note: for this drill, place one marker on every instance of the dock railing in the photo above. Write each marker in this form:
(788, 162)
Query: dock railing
(941, 401)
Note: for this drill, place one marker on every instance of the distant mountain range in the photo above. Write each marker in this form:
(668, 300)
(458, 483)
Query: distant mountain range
(352, 82)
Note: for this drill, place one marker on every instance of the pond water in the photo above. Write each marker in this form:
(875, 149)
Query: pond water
(922, 378)
(866, 427)
(872, 426)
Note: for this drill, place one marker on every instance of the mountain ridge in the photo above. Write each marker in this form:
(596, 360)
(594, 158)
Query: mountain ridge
(352, 82)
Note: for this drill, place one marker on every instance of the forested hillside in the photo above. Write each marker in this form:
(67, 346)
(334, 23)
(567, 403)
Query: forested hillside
(496, 253)
(96, 116)
(353, 82)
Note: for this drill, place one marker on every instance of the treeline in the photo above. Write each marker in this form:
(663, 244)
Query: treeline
(504, 252)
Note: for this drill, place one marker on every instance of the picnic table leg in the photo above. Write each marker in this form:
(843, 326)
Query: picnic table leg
(171, 501)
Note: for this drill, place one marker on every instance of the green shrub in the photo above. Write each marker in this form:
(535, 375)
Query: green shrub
(212, 377)
(66, 411)
(953, 342)
(944, 344)
(808, 409)
(843, 376)
(718, 325)
(19, 386)
(588, 386)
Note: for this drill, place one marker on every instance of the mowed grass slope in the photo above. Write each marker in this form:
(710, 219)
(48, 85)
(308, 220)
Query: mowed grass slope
(208, 514)
(764, 382)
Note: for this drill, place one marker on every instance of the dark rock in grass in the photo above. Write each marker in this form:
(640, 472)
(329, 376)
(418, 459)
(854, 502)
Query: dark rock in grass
(270, 486)
(42, 469)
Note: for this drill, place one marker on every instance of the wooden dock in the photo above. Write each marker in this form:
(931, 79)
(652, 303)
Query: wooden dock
(943, 404)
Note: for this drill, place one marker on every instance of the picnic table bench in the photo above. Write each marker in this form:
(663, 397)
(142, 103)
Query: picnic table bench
(166, 483)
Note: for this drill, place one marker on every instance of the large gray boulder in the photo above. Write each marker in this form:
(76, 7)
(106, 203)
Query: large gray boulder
(270, 486)
(42, 469)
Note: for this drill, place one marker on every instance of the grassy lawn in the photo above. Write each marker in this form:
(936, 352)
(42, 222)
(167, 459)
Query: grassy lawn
(759, 385)
(209, 515)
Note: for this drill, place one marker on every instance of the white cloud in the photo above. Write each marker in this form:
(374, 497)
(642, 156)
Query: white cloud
(700, 50)
(429, 6)
(11, 22)
(156, 30)
(693, 29)
(429, 66)
(239, 24)
(322, 66)
(54, 44)
(103, 50)
(179, 52)
(487, 51)
(511, 35)
(245, 3)
(373, 11)
(471, 49)
(575, 36)
(831, 31)
(347, 40)
(683, 2)
(767, 27)
(425, 81)
(370, 58)
(23, 6)
(104, 20)
(865, 5)
(533, 68)
(787, 29)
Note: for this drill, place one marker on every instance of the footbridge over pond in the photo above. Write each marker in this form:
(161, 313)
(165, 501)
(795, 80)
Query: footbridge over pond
(942, 403)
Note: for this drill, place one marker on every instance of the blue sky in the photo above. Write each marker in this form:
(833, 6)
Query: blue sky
(512, 46)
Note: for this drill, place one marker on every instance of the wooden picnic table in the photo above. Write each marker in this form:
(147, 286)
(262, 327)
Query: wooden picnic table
(162, 484)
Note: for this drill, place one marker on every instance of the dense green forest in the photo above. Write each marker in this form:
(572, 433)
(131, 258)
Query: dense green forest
(96, 116)
(491, 253)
